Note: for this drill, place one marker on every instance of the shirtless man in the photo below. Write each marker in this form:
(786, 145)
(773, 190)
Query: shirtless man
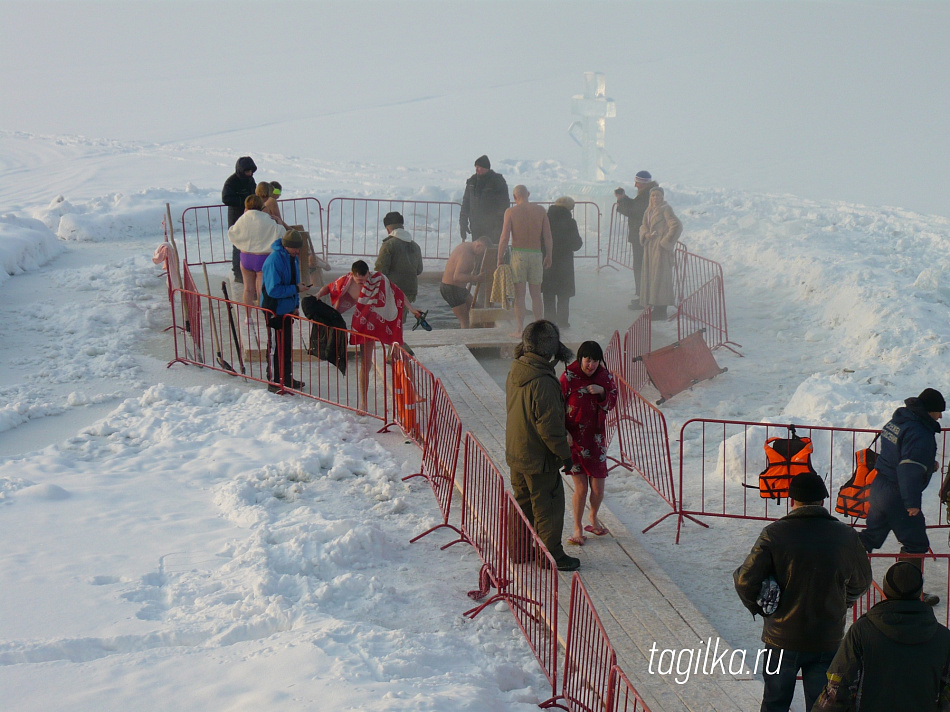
(465, 266)
(526, 225)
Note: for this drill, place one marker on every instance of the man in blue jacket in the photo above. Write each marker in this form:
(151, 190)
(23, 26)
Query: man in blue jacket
(904, 466)
(280, 293)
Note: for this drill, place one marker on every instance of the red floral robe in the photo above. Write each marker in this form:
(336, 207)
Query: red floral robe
(378, 309)
(587, 416)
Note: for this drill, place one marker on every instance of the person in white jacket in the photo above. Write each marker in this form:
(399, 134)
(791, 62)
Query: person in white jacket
(253, 234)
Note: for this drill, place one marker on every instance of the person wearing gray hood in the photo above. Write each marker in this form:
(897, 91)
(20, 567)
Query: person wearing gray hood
(400, 257)
(895, 657)
(536, 446)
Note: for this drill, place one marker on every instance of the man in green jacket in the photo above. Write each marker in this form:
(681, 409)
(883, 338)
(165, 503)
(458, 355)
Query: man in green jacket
(536, 445)
(400, 257)
(895, 657)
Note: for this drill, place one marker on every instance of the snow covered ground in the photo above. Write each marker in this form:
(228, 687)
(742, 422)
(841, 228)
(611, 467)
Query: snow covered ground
(173, 539)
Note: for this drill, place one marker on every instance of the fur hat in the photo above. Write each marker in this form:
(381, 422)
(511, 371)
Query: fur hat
(807, 487)
(932, 400)
(644, 177)
(565, 201)
(542, 337)
(903, 582)
(393, 218)
(483, 162)
(292, 239)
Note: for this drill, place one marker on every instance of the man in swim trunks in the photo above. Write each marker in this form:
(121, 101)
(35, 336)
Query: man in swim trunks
(465, 266)
(526, 226)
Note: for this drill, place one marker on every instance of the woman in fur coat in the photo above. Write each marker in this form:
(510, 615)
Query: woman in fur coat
(658, 235)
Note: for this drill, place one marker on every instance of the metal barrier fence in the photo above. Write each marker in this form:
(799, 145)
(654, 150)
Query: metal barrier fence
(588, 657)
(705, 310)
(356, 379)
(637, 341)
(587, 216)
(613, 362)
(483, 522)
(528, 583)
(644, 444)
(623, 695)
(619, 249)
(354, 226)
(936, 568)
(413, 391)
(440, 454)
(691, 272)
(204, 228)
(718, 473)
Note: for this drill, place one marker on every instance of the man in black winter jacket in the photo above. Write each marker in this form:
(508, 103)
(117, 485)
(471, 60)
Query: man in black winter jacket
(236, 188)
(633, 209)
(484, 203)
(895, 657)
(904, 468)
(821, 569)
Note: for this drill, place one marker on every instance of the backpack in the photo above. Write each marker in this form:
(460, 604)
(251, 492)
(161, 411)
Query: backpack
(786, 457)
(853, 495)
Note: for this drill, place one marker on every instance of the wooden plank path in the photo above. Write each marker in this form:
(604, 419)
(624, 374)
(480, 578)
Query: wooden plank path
(637, 601)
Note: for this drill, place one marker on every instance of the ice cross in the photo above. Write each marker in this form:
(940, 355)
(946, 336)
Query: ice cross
(594, 108)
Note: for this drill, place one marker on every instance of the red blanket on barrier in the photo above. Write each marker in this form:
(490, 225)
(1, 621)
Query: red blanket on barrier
(378, 308)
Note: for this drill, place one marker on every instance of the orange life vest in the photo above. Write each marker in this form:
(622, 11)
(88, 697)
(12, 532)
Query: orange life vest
(853, 495)
(786, 458)
(406, 400)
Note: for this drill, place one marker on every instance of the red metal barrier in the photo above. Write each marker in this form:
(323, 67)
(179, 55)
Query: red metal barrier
(705, 310)
(363, 388)
(588, 657)
(483, 522)
(440, 454)
(619, 249)
(613, 362)
(691, 272)
(587, 216)
(637, 341)
(205, 228)
(529, 585)
(644, 444)
(355, 225)
(623, 695)
(720, 462)
(230, 348)
(413, 390)
(936, 568)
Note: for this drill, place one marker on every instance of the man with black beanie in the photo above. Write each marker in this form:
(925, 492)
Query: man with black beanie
(237, 187)
(820, 569)
(895, 657)
(484, 203)
(904, 467)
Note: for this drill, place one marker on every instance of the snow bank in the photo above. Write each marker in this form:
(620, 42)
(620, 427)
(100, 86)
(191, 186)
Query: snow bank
(25, 245)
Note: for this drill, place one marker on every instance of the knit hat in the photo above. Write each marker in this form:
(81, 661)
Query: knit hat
(644, 177)
(807, 487)
(483, 162)
(543, 338)
(932, 400)
(903, 582)
(393, 218)
(565, 201)
(292, 239)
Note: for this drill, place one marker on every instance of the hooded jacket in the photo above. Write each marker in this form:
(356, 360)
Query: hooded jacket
(400, 259)
(894, 657)
(821, 568)
(237, 187)
(566, 240)
(535, 434)
(908, 451)
(483, 206)
(281, 274)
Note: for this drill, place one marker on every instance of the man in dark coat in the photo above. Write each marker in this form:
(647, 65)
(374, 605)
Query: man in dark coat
(904, 467)
(536, 436)
(557, 286)
(236, 188)
(484, 203)
(821, 569)
(633, 209)
(895, 657)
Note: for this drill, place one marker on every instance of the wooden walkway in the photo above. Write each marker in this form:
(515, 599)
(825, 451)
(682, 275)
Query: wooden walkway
(637, 601)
